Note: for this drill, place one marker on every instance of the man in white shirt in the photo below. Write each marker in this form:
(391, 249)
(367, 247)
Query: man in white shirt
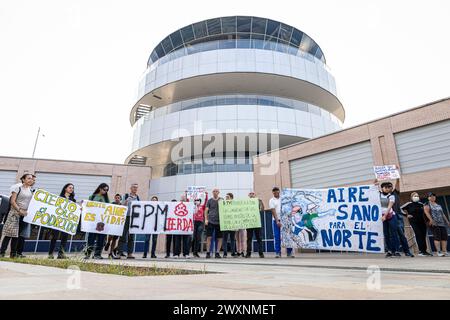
(275, 206)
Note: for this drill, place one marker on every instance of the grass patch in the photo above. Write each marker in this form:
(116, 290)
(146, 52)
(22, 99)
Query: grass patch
(115, 268)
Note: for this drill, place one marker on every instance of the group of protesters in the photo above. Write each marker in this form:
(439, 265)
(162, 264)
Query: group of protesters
(206, 218)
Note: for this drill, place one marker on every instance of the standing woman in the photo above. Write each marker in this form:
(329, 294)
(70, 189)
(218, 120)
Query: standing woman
(68, 192)
(20, 199)
(416, 216)
(111, 242)
(229, 234)
(147, 239)
(100, 195)
(439, 223)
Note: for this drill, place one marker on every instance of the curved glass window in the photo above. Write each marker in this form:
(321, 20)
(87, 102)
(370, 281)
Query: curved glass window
(238, 27)
(225, 100)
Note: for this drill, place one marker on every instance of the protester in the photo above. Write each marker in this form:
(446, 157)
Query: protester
(389, 219)
(275, 206)
(256, 231)
(240, 241)
(128, 238)
(111, 243)
(182, 241)
(212, 223)
(230, 234)
(96, 240)
(399, 215)
(19, 200)
(416, 216)
(154, 238)
(438, 223)
(169, 238)
(199, 224)
(24, 228)
(68, 192)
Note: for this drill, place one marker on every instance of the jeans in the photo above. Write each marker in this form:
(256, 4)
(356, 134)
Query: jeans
(257, 232)
(98, 247)
(277, 238)
(391, 235)
(231, 235)
(126, 238)
(147, 243)
(55, 234)
(198, 231)
(5, 244)
(401, 235)
(420, 230)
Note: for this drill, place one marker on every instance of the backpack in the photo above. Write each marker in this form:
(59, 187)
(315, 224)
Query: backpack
(127, 196)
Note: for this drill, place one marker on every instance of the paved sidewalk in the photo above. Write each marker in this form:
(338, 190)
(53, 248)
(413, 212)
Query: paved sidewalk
(308, 276)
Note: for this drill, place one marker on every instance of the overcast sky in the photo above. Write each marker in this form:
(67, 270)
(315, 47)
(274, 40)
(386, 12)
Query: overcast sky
(72, 67)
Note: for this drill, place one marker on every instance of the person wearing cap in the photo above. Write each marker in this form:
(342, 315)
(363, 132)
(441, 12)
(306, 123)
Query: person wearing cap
(389, 219)
(439, 223)
(414, 211)
(275, 207)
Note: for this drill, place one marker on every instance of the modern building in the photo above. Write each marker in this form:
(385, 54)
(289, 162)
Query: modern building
(417, 141)
(217, 92)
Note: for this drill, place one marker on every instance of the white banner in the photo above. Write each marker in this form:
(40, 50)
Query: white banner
(389, 172)
(103, 218)
(52, 211)
(347, 219)
(153, 217)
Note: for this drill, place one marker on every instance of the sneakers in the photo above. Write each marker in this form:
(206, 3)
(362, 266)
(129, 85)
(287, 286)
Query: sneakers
(131, 257)
(409, 254)
(50, 256)
(422, 254)
(208, 255)
(278, 255)
(441, 254)
(217, 256)
(144, 256)
(242, 254)
(248, 255)
(167, 257)
(261, 255)
(389, 255)
(225, 255)
(291, 256)
(196, 255)
(397, 254)
(153, 256)
(98, 258)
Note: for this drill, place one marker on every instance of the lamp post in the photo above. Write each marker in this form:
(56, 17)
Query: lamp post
(35, 143)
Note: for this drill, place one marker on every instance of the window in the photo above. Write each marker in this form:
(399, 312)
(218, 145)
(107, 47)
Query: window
(244, 24)
(187, 33)
(273, 28)
(214, 26)
(296, 37)
(200, 30)
(167, 45)
(229, 24)
(177, 41)
(259, 25)
(285, 32)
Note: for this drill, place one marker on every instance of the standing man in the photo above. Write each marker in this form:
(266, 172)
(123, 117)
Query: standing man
(256, 231)
(126, 236)
(275, 206)
(212, 222)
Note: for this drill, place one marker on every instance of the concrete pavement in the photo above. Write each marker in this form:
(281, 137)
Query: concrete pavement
(308, 276)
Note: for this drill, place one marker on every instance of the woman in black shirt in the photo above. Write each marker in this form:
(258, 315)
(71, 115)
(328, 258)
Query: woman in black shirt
(416, 216)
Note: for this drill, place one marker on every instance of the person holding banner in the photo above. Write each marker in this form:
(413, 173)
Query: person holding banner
(389, 221)
(199, 221)
(169, 238)
(127, 238)
(111, 242)
(20, 199)
(154, 238)
(100, 195)
(68, 192)
(275, 206)
(212, 223)
(256, 231)
(24, 228)
(229, 234)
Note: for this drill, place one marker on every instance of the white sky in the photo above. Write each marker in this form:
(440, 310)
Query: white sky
(72, 67)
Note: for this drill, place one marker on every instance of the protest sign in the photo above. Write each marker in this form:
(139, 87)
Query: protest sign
(239, 214)
(347, 218)
(54, 212)
(154, 217)
(103, 218)
(194, 193)
(389, 172)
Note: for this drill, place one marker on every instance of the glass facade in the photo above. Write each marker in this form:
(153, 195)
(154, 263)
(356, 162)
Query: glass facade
(236, 32)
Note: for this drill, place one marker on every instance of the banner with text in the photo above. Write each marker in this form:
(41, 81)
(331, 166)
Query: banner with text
(347, 218)
(389, 172)
(195, 192)
(103, 218)
(239, 214)
(52, 211)
(153, 217)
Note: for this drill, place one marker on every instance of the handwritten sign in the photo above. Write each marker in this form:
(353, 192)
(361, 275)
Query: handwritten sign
(103, 218)
(346, 219)
(195, 193)
(389, 172)
(52, 211)
(239, 214)
(154, 217)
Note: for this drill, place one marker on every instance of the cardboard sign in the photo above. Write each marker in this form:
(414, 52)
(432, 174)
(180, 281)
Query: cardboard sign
(103, 218)
(239, 214)
(389, 172)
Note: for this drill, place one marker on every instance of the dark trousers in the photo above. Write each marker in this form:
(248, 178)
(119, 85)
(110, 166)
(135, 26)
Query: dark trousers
(197, 241)
(257, 232)
(126, 238)
(95, 243)
(231, 235)
(20, 245)
(147, 243)
(420, 230)
(5, 244)
(401, 235)
(181, 241)
(391, 235)
(169, 238)
(54, 234)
